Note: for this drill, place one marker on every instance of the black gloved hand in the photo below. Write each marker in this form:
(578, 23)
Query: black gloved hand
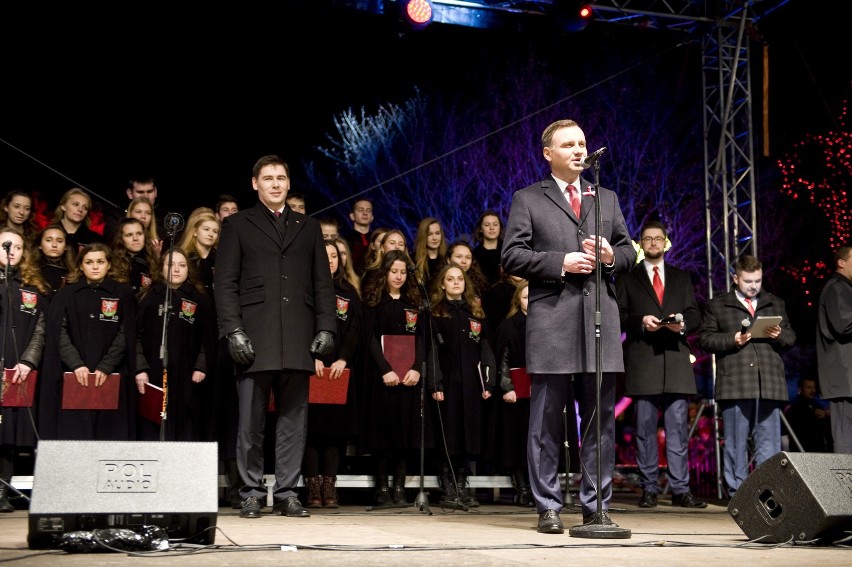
(323, 344)
(239, 347)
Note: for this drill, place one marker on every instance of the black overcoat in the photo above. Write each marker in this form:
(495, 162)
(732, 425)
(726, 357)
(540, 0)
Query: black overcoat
(25, 338)
(191, 344)
(464, 349)
(658, 362)
(91, 326)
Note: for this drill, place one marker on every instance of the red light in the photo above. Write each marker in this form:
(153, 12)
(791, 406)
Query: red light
(585, 11)
(419, 12)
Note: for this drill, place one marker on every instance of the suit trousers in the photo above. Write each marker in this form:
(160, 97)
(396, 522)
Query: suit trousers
(675, 418)
(841, 424)
(550, 393)
(761, 419)
(291, 398)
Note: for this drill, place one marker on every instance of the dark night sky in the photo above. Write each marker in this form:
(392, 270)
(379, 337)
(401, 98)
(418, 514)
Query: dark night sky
(194, 99)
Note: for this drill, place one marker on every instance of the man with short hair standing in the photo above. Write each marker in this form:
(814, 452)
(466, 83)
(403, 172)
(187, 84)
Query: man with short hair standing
(359, 237)
(834, 348)
(550, 240)
(751, 386)
(658, 371)
(276, 306)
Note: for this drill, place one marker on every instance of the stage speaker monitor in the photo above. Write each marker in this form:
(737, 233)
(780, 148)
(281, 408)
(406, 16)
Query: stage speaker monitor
(88, 485)
(795, 497)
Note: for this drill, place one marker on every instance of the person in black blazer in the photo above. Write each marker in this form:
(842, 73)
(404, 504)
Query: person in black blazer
(276, 305)
(658, 372)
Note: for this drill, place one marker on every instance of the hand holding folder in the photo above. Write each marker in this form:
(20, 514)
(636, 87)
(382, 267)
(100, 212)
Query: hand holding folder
(89, 394)
(322, 389)
(521, 382)
(18, 394)
(399, 352)
(151, 403)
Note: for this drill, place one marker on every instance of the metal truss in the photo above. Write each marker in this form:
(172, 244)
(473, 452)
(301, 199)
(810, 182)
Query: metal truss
(723, 26)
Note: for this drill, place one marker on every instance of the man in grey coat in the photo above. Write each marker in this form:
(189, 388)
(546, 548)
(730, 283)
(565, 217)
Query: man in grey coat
(552, 244)
(751, 386)
(834, 348)
(658, 370)
(276, 305)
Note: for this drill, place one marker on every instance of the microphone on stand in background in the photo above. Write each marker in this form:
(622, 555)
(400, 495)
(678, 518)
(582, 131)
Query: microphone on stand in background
(7, 246)
(173, 223)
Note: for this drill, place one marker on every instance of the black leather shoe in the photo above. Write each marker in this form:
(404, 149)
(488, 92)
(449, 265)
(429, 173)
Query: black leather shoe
(648, 500)
(687, 500)
(250, 508)
(549, 523)
(292, 508)
(605, 519)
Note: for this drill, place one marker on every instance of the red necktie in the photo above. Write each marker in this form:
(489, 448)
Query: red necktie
(750, 306)
(658, 285)
(277, 214)
(574, 198)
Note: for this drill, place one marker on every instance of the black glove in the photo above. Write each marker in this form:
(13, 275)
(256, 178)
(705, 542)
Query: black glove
(323, 344)
(239, 347)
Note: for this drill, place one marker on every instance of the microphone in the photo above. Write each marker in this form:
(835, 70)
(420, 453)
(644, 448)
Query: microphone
(440, 339)
(7, 246)
(745, 325)
(173, 222)
(676, 318)
(590, 159)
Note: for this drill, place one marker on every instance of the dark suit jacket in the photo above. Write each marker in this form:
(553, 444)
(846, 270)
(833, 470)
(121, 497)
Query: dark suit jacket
(756, 369)
(274, 282)
(657, 362)
(541, 229)
(834, 338)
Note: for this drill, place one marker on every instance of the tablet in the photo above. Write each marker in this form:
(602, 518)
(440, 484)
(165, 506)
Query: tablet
(763, 322)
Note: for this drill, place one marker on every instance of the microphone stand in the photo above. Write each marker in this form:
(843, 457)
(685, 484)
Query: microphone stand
(6, 316)
(173, 223)
(596, 529)
(422, 500)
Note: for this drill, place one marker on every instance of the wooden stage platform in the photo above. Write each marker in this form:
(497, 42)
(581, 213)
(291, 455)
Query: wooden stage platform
(493, 534)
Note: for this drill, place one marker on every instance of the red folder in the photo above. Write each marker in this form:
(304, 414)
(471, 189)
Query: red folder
(322, 390)
(18, 395)
(399, 352)
(151, 403)
(521, 381)
(75, 396)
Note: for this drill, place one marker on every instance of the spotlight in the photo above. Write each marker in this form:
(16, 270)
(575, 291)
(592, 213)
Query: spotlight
(417, 13)
(573, 15)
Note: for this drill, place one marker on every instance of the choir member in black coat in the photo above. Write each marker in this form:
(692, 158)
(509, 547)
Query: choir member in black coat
(190, 336)
(488, 242)
(90, 329)
(53, 257)
(467, 375)
(391, 428)
(331, 426)
(72, 213)
(515, 412)
(135, 261)
(24, 294)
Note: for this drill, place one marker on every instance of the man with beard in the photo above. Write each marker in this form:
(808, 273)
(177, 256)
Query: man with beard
(658, 308)
(751, 386)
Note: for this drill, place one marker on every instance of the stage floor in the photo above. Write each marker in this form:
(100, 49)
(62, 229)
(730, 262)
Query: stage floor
(493, 534)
